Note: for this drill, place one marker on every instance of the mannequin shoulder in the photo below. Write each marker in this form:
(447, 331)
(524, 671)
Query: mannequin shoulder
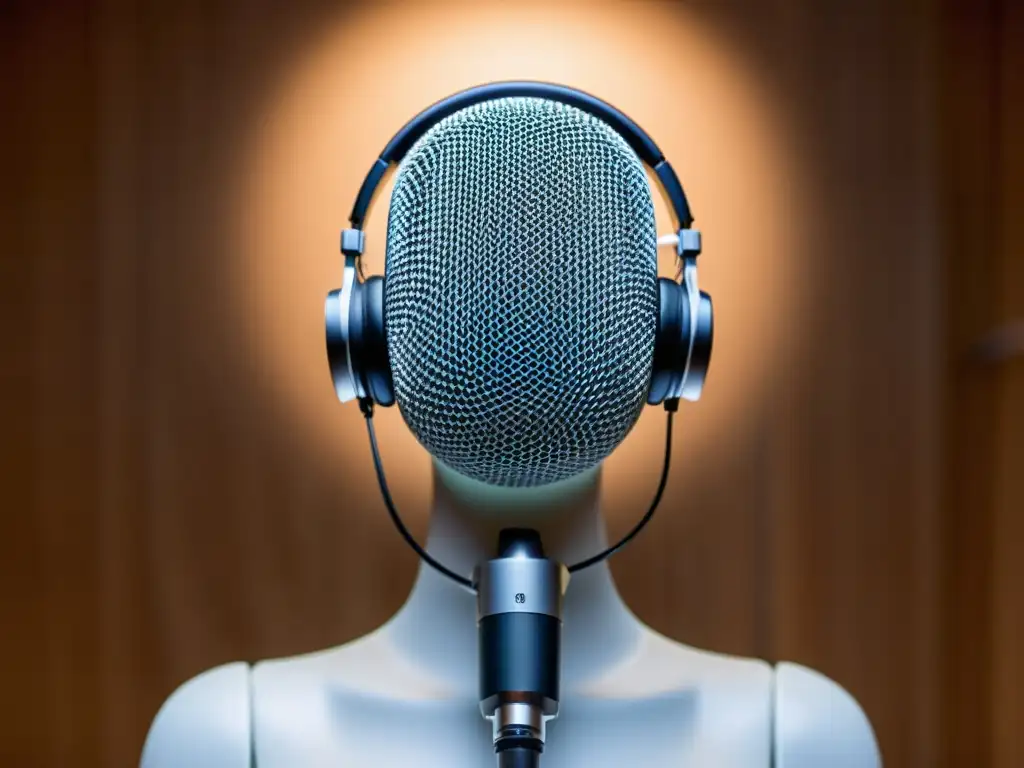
(205, 723)
(818, 723)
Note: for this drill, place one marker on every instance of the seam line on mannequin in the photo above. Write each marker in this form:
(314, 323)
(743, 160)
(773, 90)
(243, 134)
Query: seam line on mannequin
(252, 714)
(773, 729)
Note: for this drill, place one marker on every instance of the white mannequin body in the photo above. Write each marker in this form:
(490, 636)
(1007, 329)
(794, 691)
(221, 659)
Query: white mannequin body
(406, 694)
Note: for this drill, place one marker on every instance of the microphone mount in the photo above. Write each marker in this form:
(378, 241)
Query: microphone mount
(519, 620)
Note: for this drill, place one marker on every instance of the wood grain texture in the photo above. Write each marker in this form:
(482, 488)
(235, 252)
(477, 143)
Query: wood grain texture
(1008, 523)
(162, 516)
(982, 166)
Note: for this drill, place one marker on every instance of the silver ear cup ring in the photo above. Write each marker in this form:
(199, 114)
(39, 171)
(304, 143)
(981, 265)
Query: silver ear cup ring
(699, 308)
(337, 315)
(338, 318)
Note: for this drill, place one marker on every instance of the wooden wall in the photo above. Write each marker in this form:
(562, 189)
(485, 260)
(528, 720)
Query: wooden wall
(982, 115)
(161, 516)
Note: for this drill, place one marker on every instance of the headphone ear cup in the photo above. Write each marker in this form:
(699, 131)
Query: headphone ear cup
(336, 310)
(376, 364)
(700, 356)
(671, 341)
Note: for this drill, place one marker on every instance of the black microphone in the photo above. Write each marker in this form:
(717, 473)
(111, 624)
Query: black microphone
(519, 619)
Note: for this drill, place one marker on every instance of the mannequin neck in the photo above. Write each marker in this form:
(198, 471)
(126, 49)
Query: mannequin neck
(436, 628)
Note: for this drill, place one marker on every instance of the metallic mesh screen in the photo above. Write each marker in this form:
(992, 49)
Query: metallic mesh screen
(521, 292)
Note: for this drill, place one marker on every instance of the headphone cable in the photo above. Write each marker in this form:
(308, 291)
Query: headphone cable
(366, 407)
(670, 409)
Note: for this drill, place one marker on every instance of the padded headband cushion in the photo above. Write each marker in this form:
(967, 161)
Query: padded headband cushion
(637, 139)
(415, 128)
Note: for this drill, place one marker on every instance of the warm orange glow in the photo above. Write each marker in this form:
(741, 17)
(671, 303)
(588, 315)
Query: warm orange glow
(333, 111)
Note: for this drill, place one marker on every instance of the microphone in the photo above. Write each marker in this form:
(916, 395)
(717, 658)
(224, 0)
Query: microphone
(519, 618)
(521, 300)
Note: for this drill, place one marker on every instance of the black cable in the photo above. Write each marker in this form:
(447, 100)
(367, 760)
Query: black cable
(670, 407)
(366, 406)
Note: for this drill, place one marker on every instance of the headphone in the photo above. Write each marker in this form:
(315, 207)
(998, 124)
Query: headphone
(357, 349)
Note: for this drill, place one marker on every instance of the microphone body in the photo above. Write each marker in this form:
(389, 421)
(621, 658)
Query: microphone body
(519, 620)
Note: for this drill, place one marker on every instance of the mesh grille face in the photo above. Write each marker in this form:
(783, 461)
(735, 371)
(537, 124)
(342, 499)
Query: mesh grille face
(521, 293)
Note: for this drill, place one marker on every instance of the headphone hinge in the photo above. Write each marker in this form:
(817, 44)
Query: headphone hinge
(353, 241)
(689, 244)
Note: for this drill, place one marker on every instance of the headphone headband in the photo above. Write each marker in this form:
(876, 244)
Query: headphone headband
(632, 133)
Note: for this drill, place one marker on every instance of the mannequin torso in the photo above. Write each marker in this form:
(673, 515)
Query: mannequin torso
(407, 693)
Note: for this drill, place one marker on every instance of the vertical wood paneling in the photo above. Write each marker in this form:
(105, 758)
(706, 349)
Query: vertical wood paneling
(981, 117)
(57, 164)
(21, 551)
(1008, 513)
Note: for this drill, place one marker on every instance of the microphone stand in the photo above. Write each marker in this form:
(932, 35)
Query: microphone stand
(519, 620)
